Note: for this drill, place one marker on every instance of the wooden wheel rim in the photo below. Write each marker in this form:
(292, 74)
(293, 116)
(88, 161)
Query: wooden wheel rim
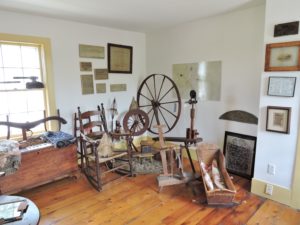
(154, 100)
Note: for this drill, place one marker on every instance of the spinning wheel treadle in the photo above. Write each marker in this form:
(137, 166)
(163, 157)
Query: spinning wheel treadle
(158, 95)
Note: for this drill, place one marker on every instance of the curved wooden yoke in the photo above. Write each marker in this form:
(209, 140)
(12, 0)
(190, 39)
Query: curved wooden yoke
(29, 125)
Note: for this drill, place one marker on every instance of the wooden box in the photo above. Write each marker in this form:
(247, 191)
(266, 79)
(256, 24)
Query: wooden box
(206, 153)
(39, 167)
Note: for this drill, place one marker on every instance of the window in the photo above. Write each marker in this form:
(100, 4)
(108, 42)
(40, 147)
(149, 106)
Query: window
(19, 61)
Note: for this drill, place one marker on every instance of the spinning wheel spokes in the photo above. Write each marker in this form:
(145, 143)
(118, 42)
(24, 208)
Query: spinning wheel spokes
(158, 95)
(136, 122)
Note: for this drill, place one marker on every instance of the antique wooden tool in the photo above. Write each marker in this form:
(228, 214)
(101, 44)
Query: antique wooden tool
(159, 97)
(171, 158)
(192, 133)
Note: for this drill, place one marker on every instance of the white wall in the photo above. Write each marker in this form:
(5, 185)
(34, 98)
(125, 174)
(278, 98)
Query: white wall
(278, 149)
(65, 37)
(236, 39)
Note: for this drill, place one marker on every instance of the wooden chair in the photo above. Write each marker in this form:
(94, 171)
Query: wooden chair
(96, 168)
(76, 134)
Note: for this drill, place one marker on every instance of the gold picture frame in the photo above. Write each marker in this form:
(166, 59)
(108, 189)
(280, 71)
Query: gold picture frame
(278, 119)
(119, 58)
(283, 56)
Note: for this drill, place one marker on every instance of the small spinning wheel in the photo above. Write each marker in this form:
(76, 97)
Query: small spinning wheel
(158, 95)
(136, 122)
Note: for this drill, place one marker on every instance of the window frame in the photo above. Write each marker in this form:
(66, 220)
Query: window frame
(46, 68)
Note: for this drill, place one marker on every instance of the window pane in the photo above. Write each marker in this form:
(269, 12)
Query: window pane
(32, 72)
(9, 74)
(35, 100)
(1, 64)
(4, 106)
(2, 86)
(30, 57)
(11, 56)
(17, 102)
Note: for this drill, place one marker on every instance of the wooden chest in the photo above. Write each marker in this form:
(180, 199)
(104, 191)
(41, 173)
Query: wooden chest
(39, 167)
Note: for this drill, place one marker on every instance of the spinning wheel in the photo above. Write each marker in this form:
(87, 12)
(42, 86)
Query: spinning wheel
(136, 122)
(158, 95)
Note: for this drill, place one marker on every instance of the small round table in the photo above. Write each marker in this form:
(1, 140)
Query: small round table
(30, 217)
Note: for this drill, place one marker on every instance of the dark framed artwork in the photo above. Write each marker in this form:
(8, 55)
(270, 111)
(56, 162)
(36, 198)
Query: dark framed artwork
(119, 58)
(239, 151)
(283, 56)
(286, 29)
(278, 119)
(282, 86)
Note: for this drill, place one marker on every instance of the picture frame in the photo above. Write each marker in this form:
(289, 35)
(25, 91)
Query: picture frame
(85, 66)
(91, 51)
(281, 86)
(101, 74)
(278, 119)
(283, 56)
(289, 28)
(119, 58)
(239, 151)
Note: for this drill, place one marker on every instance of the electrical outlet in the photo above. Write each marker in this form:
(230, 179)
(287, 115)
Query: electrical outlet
(271, 169)
(269, 189)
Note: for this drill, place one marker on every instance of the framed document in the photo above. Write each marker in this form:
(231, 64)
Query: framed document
(239, 150)
(91, 51)
(282, 86)
(278, 119)
(119, 58)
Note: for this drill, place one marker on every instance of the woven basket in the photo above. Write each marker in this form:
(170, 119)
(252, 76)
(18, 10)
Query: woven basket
(206, 153)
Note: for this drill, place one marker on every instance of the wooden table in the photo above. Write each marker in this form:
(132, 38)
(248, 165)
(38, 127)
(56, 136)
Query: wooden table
(32, 215)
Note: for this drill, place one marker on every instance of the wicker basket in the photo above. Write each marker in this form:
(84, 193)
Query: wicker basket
(206, 153)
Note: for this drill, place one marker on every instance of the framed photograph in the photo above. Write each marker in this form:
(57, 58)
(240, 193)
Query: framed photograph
(119, 58)
(278, 119)
(283, 56)
(282, 86)
(239, 151)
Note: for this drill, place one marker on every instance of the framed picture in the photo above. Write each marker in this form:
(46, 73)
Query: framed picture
(278, 119)
(119, 58)
(286, 29)
(101, 74)
(85, 66)
(282, 86)
(87, 84)
(91, 51)
(283, 56)
(239, 150)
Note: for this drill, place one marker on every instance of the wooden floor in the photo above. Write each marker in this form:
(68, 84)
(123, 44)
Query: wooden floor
(136, 201)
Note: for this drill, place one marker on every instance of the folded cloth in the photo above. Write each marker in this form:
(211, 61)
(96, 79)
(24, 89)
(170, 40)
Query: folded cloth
(59, 139)
(10, 156)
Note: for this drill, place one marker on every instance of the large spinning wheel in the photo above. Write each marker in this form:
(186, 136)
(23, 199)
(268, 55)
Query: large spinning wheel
(159, 97)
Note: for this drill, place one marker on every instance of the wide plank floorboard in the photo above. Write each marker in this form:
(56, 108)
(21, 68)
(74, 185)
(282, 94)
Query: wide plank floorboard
(136, 200)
